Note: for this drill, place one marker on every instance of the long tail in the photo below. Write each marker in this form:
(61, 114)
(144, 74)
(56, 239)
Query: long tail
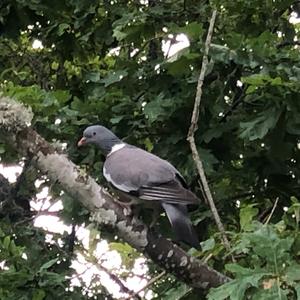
(181, 223)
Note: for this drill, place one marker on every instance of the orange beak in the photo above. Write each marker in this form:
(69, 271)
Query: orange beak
(81, 142)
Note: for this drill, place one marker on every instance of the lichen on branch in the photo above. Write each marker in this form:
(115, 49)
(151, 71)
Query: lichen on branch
(14, 116)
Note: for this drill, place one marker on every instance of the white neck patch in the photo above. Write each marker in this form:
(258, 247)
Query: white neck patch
(116, 148)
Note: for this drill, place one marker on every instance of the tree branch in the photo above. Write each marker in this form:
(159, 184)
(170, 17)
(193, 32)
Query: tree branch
(103, 207)
(193, 128)
(123, 288)
(150, 282)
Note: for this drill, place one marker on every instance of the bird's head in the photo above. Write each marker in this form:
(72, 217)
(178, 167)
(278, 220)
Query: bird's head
(100, 136)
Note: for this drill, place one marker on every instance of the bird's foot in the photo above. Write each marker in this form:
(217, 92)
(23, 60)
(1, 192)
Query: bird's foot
(126, 207)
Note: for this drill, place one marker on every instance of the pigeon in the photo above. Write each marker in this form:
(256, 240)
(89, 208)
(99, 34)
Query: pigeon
(146, 177)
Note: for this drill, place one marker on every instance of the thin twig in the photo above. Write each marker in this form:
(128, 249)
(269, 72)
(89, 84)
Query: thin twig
(123, 288)
(193, 129)
(195, 116)
(47, 213)
(206, 259)
(37, 214)
(272, 211)
(80, 274)
(150, 282)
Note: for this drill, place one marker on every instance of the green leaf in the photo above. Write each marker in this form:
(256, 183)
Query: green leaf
(48, 264)
(51, 279)
(113, 77)
(93, 76)
(297, 288)
(178, 64)
(259, 80)
(116, 120)
(293, 272)
(220, 53)
(62, 28)
(236, 288)
(119, 35)
(54, 65)
(148, 144)
(2, 148)
(222, 292)
(38, 294)
(2, 234)
(208, 244)
(61, 96)
(209, 160)
(261, 125)
(126, 251)
(247, 214)
(177, 293)
(158, 107)
(267, 244)
(193, 30)
(217, 131)
(15, 250)
(6, 242)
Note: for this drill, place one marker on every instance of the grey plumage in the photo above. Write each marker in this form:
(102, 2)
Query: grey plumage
(181, 224)
(148, 177)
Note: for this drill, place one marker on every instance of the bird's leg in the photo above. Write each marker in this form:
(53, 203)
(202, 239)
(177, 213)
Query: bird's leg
(124, 202)
(127, 201)
(126, 206)
(155, 215)
(136, 210)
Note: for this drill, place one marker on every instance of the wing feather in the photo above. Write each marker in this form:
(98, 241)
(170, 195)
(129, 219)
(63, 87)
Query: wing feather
(171, 192)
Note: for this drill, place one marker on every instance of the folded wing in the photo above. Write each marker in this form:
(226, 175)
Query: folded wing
(151, 178)
(170, 192)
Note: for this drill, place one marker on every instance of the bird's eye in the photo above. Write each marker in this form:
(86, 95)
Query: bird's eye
(94, 133)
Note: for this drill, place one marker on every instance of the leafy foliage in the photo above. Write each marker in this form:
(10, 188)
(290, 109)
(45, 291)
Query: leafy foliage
(102, 62)
(275, 272)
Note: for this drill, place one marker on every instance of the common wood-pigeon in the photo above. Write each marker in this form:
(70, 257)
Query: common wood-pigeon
(147, 177)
